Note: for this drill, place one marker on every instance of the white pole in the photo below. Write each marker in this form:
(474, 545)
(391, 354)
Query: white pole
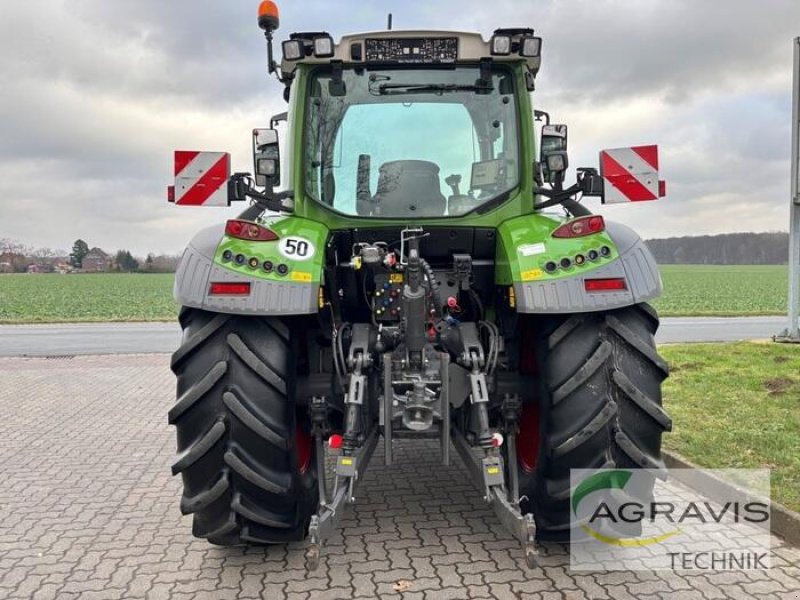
(792, 333)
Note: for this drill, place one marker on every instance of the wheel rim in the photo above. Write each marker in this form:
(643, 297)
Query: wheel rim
(303, 444)
(528, 437)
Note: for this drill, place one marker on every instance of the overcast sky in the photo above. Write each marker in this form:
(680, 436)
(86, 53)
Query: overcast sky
(96, 95)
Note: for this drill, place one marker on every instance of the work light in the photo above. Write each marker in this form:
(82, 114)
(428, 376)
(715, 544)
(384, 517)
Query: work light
(267, 167)
(556, 162)
(530, 46)
(501, 45)
(293, 50)
(323, 47)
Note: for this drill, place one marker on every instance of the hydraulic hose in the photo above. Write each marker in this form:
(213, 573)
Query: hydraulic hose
(434, 283)
(576, 209)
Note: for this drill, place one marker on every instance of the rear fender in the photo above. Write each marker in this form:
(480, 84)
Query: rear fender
(526, 246)
(211, 257)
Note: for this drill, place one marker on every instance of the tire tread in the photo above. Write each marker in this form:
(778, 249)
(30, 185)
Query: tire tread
(235, 417)
(605, 365)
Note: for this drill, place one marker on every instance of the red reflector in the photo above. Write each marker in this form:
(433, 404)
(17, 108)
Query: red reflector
(247, 230)
(528, 438)
(230, 289)
(580, 227)
(170, 193)
(335, 441)
(662, 188)
(605, 285)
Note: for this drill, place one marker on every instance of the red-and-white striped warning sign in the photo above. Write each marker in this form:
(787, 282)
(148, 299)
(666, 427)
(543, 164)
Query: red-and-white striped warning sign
(201, 178)
(630, 174)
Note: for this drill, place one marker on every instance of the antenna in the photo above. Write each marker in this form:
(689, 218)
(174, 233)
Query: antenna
(389, 26)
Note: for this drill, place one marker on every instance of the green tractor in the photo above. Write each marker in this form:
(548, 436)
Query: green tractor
(425, 273)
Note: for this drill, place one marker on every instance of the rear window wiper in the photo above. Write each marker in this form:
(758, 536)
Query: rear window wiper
(386, 89)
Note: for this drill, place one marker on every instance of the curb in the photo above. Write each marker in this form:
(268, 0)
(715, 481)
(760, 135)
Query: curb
(784, 523)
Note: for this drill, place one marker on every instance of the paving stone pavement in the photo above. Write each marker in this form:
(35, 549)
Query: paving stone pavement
(88, 509)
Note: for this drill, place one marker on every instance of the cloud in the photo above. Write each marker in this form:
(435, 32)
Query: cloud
(97, 95)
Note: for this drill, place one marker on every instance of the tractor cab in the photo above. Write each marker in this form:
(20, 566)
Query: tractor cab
(409, 125)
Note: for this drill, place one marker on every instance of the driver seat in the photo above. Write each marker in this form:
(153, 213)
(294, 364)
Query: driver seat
(409, 188)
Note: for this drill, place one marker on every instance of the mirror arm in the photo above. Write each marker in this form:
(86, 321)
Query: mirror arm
(270, 201)
(563, 197)
(538, 178)
(278, 118)
(263, 201)
(539, 114)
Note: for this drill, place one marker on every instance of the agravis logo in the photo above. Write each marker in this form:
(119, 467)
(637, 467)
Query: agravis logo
(637, 519)
(667, 514)
(610, 480)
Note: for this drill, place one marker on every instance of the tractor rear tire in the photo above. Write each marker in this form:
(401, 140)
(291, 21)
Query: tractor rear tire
(599, 406)
(244, 449)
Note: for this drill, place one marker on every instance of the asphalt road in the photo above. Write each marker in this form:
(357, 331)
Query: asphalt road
(89, 510)
(146, 338)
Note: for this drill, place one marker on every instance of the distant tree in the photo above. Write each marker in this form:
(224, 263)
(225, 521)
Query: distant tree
(725, 249)
(7, 245)
(43, 254)
(14, 254)
(79, 251)
(160, 263)
(125, 262)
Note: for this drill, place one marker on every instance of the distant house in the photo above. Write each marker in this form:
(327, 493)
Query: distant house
(96, 260)
(41, 267)
(6, 267)
(61, 265)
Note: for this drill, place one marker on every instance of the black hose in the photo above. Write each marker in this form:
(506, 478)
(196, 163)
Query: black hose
(476, 299)
(437, 293)
(271, 201)
(575, 208)
(252, 212)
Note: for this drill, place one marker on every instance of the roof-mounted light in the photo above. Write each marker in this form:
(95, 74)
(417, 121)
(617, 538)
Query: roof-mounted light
(323, 46)
(293, 50)
(268, 16)
(501, 45)
(530, 46)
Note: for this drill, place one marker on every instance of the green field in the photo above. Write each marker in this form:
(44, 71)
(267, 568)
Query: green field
(95, 297)
(689, 290)
(715, 290)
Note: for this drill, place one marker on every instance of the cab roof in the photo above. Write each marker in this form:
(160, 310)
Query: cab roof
(411, 47)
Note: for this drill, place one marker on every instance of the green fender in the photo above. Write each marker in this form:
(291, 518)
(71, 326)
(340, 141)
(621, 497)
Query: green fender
(284, 274)
(526, 247)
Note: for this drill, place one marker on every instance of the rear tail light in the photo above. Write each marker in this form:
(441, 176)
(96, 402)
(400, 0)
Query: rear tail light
(229, 288)
(580, 227)
(247, 230)
(616, 284)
